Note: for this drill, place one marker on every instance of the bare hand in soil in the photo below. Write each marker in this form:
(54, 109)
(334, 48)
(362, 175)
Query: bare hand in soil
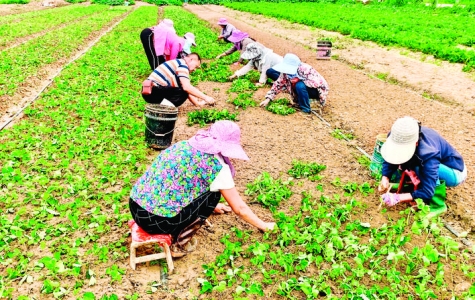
(265, 102)
(222, 208)
(259, 84)
(210, 100)
(383, 185)
(269, 226)
(232, 77)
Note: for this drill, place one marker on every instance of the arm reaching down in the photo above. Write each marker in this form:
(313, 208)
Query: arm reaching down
(187, 87)
(241, 209)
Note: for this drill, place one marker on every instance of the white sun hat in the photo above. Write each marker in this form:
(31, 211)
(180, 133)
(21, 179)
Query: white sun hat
(400, 145)
(289, 65)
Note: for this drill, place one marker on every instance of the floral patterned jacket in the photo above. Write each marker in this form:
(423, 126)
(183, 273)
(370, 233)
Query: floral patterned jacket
(310, 78)
(176, 177)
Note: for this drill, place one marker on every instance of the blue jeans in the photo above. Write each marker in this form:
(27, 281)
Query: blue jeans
(272, 74)
(304, 94)
(452, 177)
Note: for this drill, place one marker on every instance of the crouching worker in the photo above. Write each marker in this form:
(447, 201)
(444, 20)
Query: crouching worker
(261, 59)
(171, 81)
(184, 184)
(300, 80)
(417, 148)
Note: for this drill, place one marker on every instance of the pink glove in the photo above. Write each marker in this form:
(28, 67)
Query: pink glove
(390, 199)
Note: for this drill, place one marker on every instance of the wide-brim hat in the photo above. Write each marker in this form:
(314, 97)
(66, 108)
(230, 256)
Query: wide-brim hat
(289, 64)
(168, 22)
(237, 36)
(190, 37)
(222, 137)
(401, 143)
(251, 51)
(222, 21)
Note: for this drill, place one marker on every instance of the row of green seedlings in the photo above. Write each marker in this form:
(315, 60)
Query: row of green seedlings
(323, 249)
(17, 26)
(45, 50)
(67, 168)
(386, 25)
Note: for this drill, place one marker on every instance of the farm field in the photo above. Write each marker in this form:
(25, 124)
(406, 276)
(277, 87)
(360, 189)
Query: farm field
(69, 163)
(445, 33)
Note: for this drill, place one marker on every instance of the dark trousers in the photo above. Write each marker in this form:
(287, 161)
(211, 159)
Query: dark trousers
(146, 36)
(175, 95)
(201, 207)
(272, 74)
(304, 94)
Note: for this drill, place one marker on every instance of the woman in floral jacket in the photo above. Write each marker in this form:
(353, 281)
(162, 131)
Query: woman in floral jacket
(184, 184)
(300, 80)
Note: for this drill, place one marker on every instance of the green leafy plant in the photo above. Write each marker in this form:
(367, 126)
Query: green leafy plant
(206, 116)
(280, 107)
(244, 101)
(242, 85)
(306, 170)
(268, 191)
(339, 134)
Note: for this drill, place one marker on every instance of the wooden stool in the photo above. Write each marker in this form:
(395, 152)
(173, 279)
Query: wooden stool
(141, 238)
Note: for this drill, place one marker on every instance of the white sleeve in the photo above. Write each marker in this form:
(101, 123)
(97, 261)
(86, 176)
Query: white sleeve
(224, 180)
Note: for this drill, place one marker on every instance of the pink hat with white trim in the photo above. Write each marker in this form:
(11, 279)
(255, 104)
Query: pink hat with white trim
(222, 137)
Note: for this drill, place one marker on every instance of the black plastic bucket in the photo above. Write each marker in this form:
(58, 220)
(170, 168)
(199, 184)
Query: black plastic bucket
(159, 125)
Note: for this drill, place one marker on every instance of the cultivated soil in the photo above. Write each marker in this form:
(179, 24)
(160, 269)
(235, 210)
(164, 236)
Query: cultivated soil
(358, 103)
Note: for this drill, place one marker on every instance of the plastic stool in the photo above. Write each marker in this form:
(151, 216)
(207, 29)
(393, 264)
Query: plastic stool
(141, 238)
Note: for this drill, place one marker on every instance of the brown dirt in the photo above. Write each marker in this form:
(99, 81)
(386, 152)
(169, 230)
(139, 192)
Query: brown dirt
(359, 103)
(368, 106)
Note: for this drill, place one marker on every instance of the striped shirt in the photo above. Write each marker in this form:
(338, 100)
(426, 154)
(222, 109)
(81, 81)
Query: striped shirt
(167, 74)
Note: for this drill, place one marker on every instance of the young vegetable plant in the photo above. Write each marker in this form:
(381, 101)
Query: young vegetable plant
(242, 85)
(268, 191)
(306, 170)
(244, 101)
(280, 107)
(206, 116)
(339, 134)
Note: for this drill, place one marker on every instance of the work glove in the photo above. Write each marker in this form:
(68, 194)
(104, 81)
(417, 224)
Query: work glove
(232, 77)
(390, 199)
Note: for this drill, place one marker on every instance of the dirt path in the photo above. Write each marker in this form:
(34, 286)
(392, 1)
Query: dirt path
(368, 106)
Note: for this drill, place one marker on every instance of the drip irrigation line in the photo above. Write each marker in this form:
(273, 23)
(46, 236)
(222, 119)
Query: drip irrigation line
(78, 55)
(345, 138)
(455, 232)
